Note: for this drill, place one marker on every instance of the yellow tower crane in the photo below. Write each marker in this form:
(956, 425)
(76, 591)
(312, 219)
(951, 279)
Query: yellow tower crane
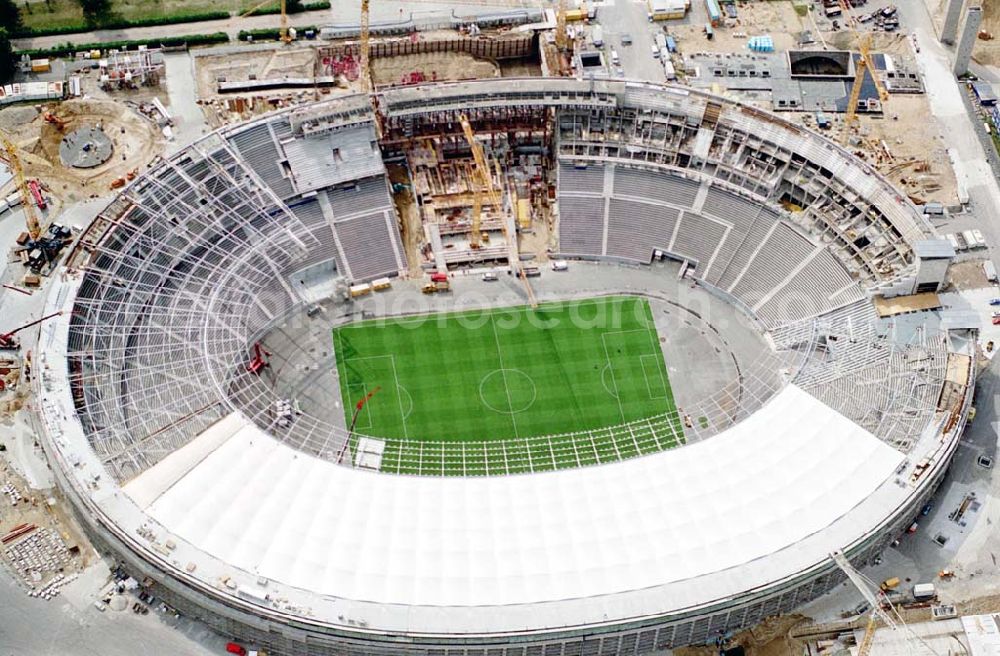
(562, 39)
(285, 36)
(483, 180)
(27, 201)
(865, 65)
(367, 84)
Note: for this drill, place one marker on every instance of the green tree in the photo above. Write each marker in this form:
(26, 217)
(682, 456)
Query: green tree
(8, 60)
(96, 12)
(293, 6)
(10, 16)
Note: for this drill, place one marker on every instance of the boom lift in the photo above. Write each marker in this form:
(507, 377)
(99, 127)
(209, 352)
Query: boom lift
(9, 341)
(865, 65)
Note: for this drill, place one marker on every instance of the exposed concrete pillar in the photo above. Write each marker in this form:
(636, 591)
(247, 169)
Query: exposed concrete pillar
(951, 20)
(970, 32)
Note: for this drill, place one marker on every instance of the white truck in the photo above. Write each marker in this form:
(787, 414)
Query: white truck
(597, 37)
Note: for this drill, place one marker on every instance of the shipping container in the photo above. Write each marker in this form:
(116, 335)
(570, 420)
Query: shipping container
(990, 270)
(714, 13)
(922, 591)
(668, 67)
(360, 290)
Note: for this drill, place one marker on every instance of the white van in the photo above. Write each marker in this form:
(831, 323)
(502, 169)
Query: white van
(490, 276)
(614, 57)
(990, 271)
(656, 51)
(560, 265)
(597, 37)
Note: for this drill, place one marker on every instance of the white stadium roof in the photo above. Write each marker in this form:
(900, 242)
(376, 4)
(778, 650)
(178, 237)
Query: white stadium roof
(623, 539)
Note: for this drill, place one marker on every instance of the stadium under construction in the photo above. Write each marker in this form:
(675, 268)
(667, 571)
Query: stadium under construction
(199, 410)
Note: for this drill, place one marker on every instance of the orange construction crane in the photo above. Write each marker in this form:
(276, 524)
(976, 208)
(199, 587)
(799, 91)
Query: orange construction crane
(483, 181)
(14, 162)
(865, 65)
(562, 39)
(367, 81)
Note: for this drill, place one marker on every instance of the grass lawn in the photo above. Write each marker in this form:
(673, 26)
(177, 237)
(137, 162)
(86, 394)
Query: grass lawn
(39, 14)
(502, 376)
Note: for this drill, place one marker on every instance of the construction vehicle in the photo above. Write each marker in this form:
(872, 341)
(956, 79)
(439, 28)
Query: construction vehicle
(35, 188)
(54, 120)
(865, 65)
(881, 609)
(889, 584)
(9, 340)
(354, 419)
(259, 361)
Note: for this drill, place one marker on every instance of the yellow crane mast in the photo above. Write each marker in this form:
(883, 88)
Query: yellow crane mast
(865, 65)
(285, 36)
(483, 180)
(367, 84)
(562, 39)
(30, 216)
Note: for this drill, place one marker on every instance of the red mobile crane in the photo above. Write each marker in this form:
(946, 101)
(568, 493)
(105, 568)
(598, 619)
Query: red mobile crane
(259, 360)
(9, 342)
(354, 419)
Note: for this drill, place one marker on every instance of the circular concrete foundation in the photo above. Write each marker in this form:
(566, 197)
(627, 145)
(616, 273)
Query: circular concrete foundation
(85, 148)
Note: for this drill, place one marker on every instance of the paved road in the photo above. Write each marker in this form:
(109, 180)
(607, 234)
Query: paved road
(341, 12)
(69, 625)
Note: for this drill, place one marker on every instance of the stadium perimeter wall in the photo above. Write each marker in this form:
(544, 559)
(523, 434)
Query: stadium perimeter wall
(287, 636)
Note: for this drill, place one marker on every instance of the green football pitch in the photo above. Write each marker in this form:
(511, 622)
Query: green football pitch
(445, 380)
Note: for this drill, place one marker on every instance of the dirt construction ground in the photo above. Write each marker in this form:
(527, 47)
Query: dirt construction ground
(775, 18)
(136, 143)
(988, 52)
(434, 66)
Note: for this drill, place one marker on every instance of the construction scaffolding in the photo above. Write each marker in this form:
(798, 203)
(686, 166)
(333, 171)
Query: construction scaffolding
(131, 69)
